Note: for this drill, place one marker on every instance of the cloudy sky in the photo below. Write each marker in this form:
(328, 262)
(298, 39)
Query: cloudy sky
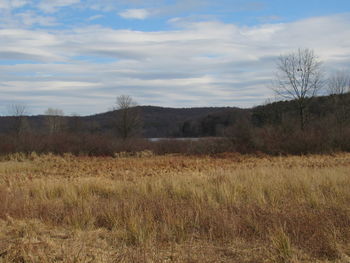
(79, 55)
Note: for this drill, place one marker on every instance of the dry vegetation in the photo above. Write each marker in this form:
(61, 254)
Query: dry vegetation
(227, 208)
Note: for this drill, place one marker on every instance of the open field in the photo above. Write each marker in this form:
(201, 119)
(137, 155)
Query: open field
(227, 208)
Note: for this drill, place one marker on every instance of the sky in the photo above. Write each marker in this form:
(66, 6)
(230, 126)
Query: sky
(79, 55)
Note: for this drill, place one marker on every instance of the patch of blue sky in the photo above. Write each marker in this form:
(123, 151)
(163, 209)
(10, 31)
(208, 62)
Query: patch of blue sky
(274, 11)
(13, 62)
(299, 9)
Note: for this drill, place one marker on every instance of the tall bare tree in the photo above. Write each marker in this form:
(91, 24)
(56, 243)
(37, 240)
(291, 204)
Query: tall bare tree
(54, 120)
(19, 113)
(127, 117)
(339, 83)
(299, 77)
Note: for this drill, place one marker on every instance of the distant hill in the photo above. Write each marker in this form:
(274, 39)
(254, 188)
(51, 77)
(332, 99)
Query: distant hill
(156, 121)
(159, 121)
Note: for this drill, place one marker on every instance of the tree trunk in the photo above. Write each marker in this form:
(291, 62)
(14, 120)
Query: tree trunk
(302, 116)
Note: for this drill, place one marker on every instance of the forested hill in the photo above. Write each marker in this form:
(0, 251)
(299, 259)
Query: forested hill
(155, 121)
(167, 122)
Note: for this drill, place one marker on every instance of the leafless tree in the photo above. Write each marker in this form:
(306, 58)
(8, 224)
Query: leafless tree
(338, 86)
(17, 110)
(54, 120)
(299, 77)
(339, 83)
(19, 113)
(127, 117)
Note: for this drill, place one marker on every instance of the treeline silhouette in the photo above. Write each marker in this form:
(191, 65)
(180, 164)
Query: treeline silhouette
(272, 128)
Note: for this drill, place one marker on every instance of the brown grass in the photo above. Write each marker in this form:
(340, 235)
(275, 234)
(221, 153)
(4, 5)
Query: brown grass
(226, 208)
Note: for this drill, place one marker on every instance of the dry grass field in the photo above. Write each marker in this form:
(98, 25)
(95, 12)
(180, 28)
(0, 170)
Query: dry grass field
(227, 208)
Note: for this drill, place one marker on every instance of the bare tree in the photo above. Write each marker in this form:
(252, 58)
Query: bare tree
(19, 113)
(299, 77)
(338, 86)
(127, 117)
(54, 120)
(339, 83)
(17, 110)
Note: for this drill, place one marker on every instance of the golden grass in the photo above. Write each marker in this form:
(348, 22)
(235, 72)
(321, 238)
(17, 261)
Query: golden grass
(227, 208)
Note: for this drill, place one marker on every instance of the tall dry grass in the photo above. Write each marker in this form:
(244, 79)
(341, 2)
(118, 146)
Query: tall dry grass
(228, 208)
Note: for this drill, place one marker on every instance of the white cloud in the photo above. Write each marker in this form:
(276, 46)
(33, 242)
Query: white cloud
(197, 64)
(135, 14)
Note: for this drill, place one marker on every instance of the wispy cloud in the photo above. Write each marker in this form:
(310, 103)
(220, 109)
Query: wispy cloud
(95, 17)
(11, 4)
(51, 6)
(30, 18)
(135, 14)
